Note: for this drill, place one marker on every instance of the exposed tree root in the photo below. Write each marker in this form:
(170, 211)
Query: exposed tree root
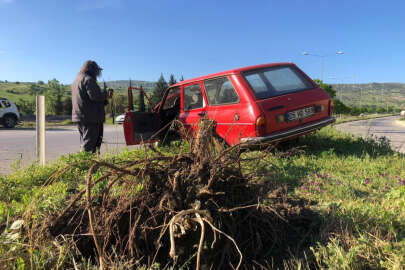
(169, 209)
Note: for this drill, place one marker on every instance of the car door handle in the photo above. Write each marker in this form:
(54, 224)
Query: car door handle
(202, 113)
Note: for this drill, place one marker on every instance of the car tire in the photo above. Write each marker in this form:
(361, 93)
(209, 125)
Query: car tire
(9, 121)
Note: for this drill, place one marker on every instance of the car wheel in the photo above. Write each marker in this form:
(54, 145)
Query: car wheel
(9, 121)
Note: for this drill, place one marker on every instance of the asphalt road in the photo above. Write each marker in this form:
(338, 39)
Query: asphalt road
(379, 127)
(18, 145)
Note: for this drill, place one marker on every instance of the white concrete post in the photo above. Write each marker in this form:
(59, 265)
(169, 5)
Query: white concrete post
(40, 126)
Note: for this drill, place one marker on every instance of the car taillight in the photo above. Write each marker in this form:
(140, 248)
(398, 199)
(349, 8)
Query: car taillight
(260, 126)
(331, 107)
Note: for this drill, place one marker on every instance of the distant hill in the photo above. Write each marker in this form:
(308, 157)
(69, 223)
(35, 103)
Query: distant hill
(21, 90)
(368, 94)
(123, 84)
(372, 94)
(16, 90)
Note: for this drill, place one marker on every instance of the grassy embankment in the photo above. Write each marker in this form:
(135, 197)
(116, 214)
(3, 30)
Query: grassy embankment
(14, 91)
(342, 118)
(356, 185)
(68, 122)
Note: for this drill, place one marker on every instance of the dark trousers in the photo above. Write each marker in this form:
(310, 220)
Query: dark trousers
(91, 136)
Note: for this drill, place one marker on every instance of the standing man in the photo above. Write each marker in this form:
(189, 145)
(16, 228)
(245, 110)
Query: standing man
(88, 102)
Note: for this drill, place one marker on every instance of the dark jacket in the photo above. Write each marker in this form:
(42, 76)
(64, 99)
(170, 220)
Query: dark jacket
(88, 100)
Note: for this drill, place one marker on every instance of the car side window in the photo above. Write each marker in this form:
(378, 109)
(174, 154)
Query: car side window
(193, 98)
(5, 104)
(220, 91)
(172, 99)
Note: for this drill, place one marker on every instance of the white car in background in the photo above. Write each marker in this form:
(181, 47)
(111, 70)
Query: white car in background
(120, 119)
(9, 115)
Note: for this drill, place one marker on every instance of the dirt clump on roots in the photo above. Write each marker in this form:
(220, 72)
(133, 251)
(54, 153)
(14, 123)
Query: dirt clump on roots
(195, 209)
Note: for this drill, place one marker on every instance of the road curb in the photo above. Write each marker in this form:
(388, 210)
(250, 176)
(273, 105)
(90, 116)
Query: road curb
(359, 120)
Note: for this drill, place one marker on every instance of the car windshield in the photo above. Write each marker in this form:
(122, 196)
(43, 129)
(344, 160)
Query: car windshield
(276, 81)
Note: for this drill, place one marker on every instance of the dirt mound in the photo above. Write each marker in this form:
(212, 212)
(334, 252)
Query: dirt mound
(196, 209)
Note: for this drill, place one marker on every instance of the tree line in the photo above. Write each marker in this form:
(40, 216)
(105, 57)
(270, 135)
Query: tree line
(58, 98)
(59, 101)
(119, 102)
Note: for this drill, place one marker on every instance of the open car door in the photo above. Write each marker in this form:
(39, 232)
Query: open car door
(139, 127)
(144, 126)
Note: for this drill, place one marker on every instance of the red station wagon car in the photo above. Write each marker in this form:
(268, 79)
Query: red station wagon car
(255, 104)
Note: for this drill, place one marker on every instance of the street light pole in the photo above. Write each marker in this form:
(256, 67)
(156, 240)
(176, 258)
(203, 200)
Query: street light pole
(322, 59)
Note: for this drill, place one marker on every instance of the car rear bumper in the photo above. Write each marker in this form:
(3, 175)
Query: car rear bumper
(291, 132)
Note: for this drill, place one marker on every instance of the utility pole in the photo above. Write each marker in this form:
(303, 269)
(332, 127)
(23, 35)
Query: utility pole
(382, 103)
(361, 91)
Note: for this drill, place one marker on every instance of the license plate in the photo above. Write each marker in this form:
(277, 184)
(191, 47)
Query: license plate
(301, 113)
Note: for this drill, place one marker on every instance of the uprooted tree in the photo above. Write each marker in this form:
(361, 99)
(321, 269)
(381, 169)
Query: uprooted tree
(196, 208)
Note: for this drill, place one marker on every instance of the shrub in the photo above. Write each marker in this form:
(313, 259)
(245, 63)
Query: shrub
(26, 107)
(340, 107)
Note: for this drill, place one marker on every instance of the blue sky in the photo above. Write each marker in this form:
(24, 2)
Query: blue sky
(45, 39)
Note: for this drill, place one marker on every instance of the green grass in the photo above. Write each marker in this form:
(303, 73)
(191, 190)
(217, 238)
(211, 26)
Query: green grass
(361, 184)
(68, 122)
(32, 124)
(14, 92)
(356, 184)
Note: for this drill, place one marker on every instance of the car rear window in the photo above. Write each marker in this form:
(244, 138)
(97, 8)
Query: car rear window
(276, 81)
